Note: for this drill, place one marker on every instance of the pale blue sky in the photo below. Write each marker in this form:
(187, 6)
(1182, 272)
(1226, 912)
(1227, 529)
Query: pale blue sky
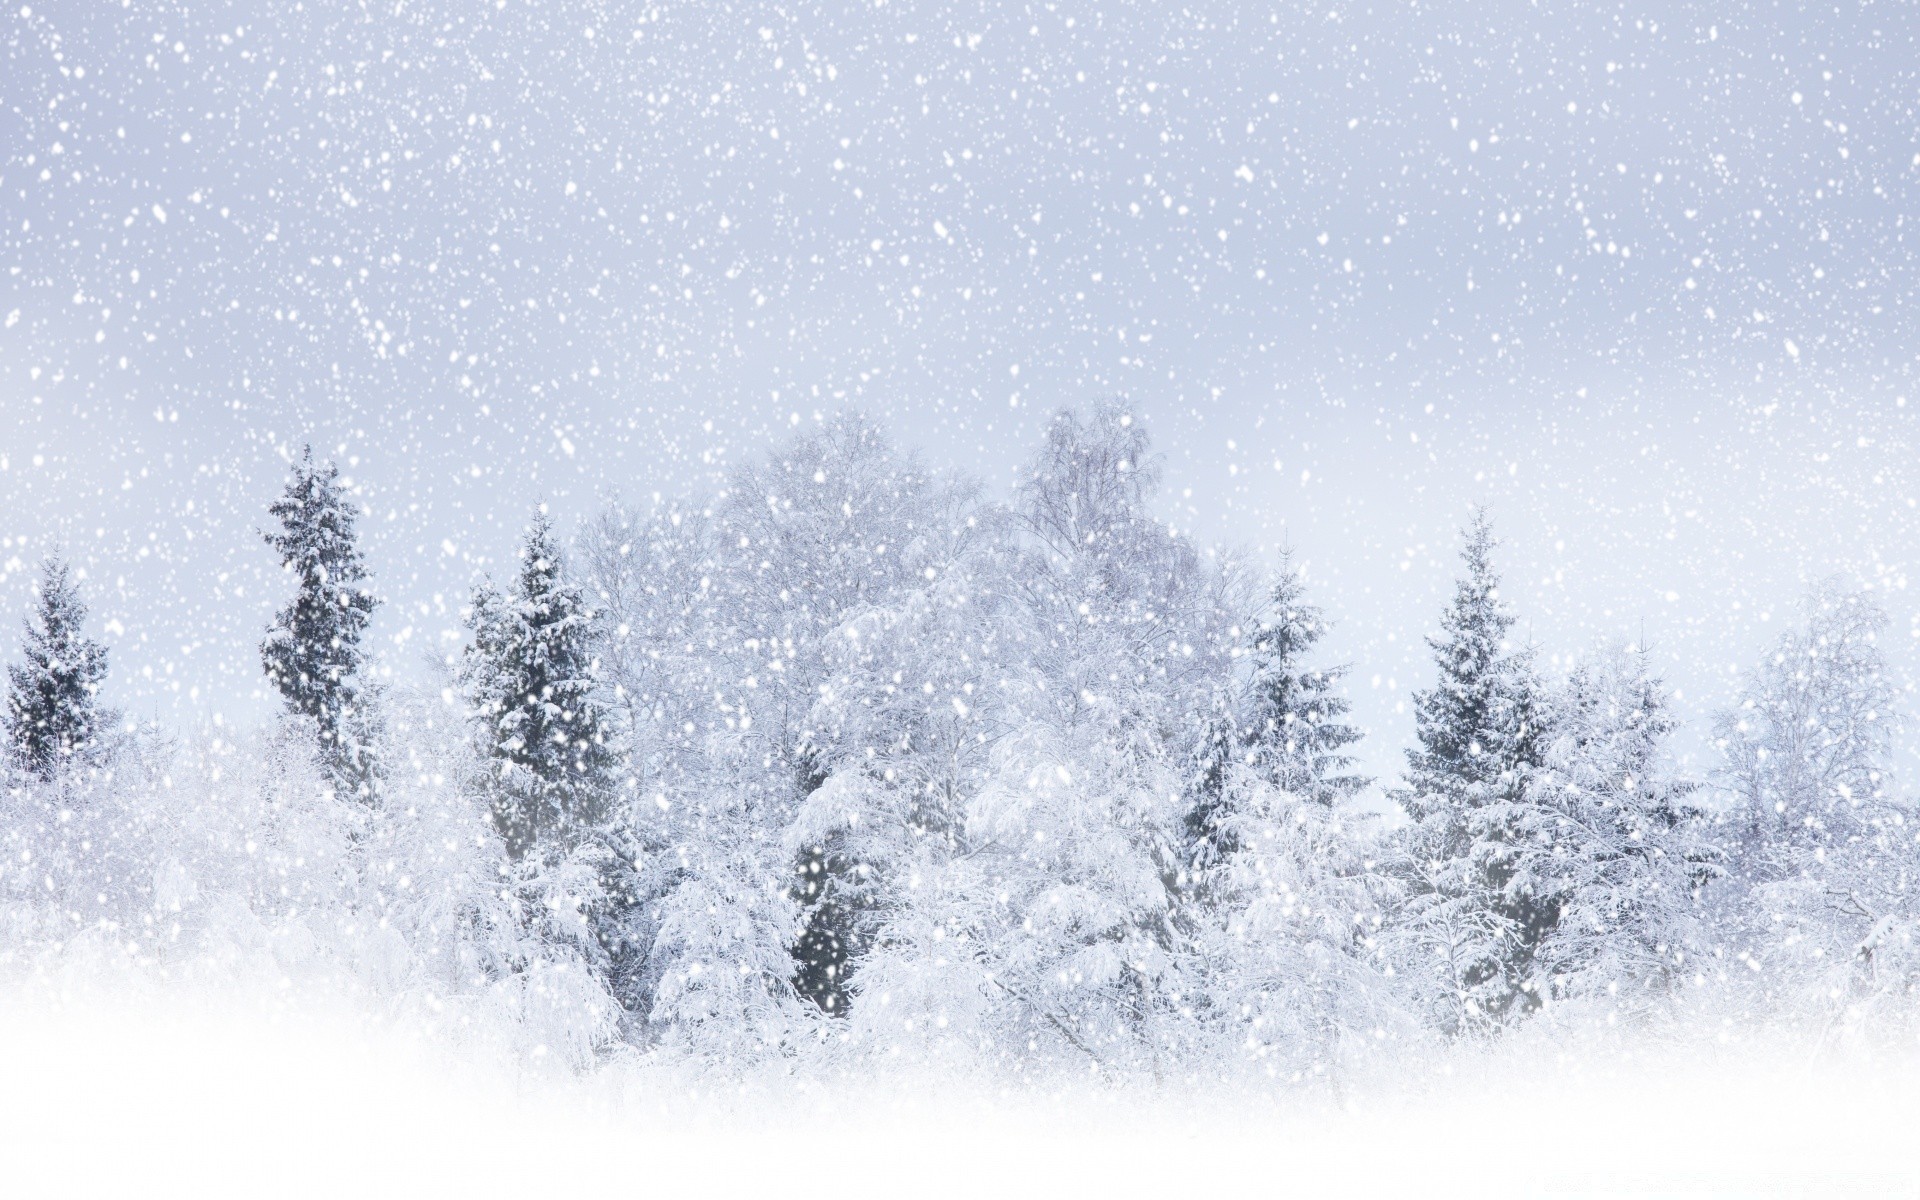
(1641, 279)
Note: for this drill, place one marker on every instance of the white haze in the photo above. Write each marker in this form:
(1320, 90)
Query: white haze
(236, 1091)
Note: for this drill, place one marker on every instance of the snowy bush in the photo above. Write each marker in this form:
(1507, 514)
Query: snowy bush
(1822, 848)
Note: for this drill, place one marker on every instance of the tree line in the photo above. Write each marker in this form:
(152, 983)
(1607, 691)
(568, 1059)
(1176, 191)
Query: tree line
(848, 758)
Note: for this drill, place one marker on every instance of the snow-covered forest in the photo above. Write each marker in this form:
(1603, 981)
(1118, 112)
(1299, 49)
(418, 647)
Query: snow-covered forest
(846, 763)
(739, 585)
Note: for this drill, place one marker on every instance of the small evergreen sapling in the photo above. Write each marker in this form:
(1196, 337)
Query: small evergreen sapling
(53, 716)
(1290, 730)
(1287, 901)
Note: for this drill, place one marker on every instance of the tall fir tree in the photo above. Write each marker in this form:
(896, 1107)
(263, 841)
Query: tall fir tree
(1469, 912)
(53, 715)
(1290, 730)
(1286, 900)
(312, 650)
(530, 680)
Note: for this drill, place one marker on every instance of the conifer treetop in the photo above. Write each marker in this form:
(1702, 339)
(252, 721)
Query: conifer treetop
(312, 647)
(1473, 722)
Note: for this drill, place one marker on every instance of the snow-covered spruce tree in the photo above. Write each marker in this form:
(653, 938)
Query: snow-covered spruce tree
(1289, 729)
(1217, 748)
(1469, 926)
(1616, 839)
(1286, 897)
(1822, 847)
(529, 678)
(53, 715)
(312, 649)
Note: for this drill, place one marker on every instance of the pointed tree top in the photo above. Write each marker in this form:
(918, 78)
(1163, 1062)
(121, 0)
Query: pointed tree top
(539, 555)
(55, 577)
(1479, 543)
(51, 711)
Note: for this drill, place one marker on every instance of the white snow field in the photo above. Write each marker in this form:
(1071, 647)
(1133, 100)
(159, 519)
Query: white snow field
(160, 1093)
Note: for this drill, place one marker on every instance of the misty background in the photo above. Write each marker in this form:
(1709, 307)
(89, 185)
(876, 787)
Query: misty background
(1641, 280)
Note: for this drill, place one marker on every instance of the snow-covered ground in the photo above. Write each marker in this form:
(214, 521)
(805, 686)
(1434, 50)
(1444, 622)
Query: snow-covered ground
(163, 1093)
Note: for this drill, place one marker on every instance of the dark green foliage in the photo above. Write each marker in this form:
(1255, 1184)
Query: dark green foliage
(823, 884)
(830, 941)
(1217, 748)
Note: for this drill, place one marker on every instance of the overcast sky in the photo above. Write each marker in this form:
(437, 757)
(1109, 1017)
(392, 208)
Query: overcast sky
(1641, 278)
